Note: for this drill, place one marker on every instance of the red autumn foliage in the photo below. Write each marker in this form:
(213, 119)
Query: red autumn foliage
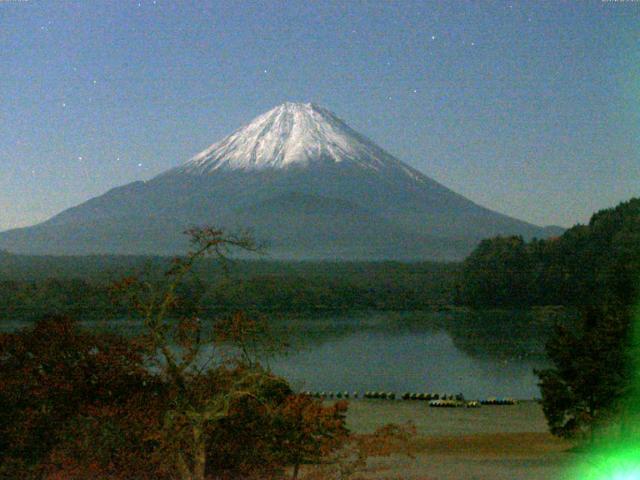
(55, 374)
(309, 431)
(78, 405)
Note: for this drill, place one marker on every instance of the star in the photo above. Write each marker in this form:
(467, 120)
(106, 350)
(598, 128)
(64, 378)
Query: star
(64, 105)
(139, 165)
(433, 37)
(79, 158)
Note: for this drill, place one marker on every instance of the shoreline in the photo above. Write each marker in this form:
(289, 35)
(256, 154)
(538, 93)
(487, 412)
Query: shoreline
(498, 442)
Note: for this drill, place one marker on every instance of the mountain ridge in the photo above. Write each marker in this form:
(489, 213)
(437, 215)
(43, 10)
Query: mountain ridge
(386, 209)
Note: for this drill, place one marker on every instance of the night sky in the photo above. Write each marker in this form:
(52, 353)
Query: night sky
(529, 108)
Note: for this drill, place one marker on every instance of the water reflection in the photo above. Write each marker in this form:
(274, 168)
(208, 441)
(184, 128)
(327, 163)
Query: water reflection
(478, 354)
(474, 354)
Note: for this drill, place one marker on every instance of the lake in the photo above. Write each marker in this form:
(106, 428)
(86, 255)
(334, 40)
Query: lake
(478, 354)
(415, 352)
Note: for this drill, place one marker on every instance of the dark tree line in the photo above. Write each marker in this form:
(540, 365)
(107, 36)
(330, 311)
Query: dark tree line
(588, 265)
(76, 287)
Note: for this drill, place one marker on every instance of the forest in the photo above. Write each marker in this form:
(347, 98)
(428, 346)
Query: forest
(602, 257)
(593, 270)
(588, 264)
(80, 286)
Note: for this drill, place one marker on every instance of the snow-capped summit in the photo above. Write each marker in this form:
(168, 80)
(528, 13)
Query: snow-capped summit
(291, 134)
(302, 180)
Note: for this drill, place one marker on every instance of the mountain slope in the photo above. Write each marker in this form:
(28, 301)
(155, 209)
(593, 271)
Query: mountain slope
(302, 179)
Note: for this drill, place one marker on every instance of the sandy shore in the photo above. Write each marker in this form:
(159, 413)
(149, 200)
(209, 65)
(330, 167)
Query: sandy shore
(492, 442)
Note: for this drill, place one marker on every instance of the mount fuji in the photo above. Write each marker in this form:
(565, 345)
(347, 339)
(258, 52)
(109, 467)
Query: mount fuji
(302, 180)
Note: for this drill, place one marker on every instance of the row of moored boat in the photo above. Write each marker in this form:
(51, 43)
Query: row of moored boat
(434, 399)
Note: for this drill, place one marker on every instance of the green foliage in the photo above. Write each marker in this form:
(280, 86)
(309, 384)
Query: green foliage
(595, 359)
(593, 264)
(22, 300)
(31, 287)
(595, 270)
(497, 273)
(592, 374)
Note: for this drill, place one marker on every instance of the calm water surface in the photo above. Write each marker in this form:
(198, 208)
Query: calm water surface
(479, 355)
(414, 352)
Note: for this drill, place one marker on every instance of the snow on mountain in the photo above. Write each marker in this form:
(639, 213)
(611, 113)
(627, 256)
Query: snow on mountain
(302, 180)
(292, 134)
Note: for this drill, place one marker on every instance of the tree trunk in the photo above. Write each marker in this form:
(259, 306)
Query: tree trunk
(183, 469)
(199, 453)
(296, 469)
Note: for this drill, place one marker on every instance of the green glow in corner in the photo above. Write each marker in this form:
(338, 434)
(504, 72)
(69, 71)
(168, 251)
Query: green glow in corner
(621, 463)
(619, 459)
